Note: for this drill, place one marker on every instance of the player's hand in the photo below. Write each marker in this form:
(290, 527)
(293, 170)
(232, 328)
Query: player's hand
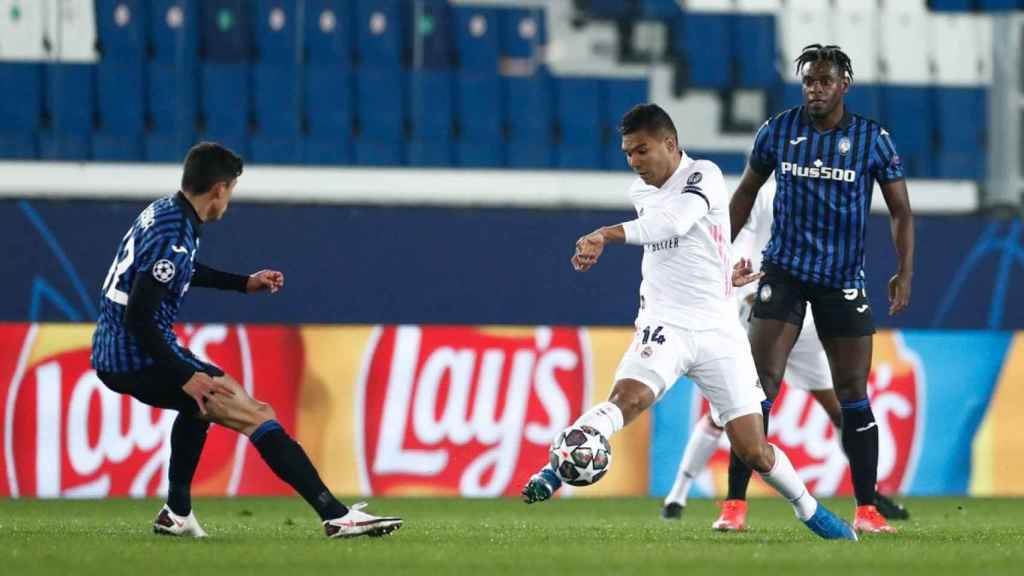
(265, 280)
(899, 293)
(202, 387)
(588, 250)
(743, 273)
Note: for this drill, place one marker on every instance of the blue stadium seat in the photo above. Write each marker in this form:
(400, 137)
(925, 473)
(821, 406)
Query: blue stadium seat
(275, 24)
(961, 118)
(432, 153)
(704, 42)
(328, 106)
(225, 99)
(910, 124)
(471, 153)
(659, 9)
(610, 9)
(528, 110)
(21, 108)
(328, 151)
(71, 102)
(579, 119)
(614, 159)
(477, 36)
(380, 106)
(172, 98)
(174, 31)
(226, 31)
(530, 154)
(275, 150)
(951, 5)
(480, 107)
(728, 162)
(371, 151)
(755, 50)
(277, 100)
(107, 147)
(587, 156)
(168, 147)
(432, 42)
(430, 105)
(619, 97)
(792, 95)
(865, 100)
(237, 142)
(122, 29)
(329, 32)
(998, 5)
(522, 30)
(380, 32)
(75, 147)
(17, 145)
(121, 94)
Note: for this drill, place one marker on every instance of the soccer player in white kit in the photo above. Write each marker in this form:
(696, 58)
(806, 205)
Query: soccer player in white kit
(687, 319)
(807, 369)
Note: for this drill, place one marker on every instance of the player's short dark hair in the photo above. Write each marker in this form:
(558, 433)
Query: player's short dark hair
(207, 164)
(649, 118)
(831, 53)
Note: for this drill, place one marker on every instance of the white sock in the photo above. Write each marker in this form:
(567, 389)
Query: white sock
(699, 448)
(784, 478)
(605, 417)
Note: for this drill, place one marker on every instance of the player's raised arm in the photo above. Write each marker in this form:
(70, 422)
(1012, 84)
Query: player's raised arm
(902, 228)
(204, 276)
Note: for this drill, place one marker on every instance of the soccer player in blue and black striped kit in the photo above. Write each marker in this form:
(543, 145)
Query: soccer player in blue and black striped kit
(826, 161)
(135, 351)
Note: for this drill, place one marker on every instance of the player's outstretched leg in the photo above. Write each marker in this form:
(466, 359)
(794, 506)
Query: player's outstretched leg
(290, 463)
(629, 398)
(733, 517)
(746, 434)
(176, 518)
(699, 448)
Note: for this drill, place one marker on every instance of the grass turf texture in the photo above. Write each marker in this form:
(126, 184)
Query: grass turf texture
(576, 536)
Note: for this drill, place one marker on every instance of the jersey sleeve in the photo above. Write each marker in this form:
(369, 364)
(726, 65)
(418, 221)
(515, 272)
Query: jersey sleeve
(763, 157)
(168, 260)
(885, 163)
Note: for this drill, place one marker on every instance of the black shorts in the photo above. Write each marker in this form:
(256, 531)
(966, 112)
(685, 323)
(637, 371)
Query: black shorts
(156, 387)
(838, 312)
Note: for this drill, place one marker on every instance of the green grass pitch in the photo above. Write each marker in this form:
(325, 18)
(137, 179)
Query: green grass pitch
(282, 537)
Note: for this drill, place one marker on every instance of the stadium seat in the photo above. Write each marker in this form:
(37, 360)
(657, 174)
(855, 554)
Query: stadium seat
(21, 99)
(107, 147)
(174, 30)
(226, 31)
(122, 29)
(614, 159)
(581, 134)
(70, 100)
(728, 162)
(619, 97)
(237, 142)
(704, 43)
(432, 153)
(864, 99)
(480, 107)
(998, 5)
(858, 36)
(471, 153)
(950, 5)
(121, 96)
(380, 32)
(276, 25)
(754, 50)
(528, 111)
(17, 145)
(903, 25)
(586, 156)
(371, 151)
(659, 9)
(522, 30)
(277, 100)
(530, 154)
(430, 105)
(380, 107)
(961, 116)
(328, 107)
(328, 151)
(168, 147)
(172, 98)
(613, 9)
(75, 147)
(225, 99)
(329, 32)
(275, 150)
(907, 115)
(477, 37)
(432, 42)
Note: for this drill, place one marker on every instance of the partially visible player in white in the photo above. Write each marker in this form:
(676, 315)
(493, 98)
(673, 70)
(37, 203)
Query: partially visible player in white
(807, 370)
(687, 323)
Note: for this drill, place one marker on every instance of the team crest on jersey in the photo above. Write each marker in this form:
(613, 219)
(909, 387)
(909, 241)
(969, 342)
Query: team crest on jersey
(163, 271)
(646, 352)
(695, 178)
(147, 217)
(844, 145)
(764, 293)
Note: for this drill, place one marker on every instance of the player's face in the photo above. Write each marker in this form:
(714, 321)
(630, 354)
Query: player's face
(824, 87)
(221, 198)
(650, 155)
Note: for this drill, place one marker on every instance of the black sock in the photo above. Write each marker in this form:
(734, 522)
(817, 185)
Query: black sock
(739, 472)
(188, 435)
(289, 461)
(860, 441)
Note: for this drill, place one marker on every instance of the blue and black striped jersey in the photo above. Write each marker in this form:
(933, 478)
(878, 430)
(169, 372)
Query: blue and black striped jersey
(824, 182)
(162, 242)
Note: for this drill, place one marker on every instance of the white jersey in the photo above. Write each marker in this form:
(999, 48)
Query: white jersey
(687, 280)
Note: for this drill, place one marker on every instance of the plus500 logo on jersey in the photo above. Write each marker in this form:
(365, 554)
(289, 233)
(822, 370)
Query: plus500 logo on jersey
(456, 410)
(822, 172)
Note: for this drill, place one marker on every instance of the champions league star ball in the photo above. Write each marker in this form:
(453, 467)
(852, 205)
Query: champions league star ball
(581, 456)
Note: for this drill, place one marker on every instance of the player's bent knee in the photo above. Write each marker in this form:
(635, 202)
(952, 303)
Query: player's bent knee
(632, 397)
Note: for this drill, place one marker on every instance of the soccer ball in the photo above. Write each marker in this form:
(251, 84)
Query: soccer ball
(580, 456)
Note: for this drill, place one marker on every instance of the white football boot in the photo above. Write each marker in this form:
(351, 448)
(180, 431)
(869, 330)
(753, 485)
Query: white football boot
(359, 523)
(171, 524)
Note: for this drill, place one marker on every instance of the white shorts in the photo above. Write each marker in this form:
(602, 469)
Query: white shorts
(807, 368)
(718, 361)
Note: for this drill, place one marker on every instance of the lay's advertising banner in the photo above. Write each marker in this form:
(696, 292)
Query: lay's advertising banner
(470, 410)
